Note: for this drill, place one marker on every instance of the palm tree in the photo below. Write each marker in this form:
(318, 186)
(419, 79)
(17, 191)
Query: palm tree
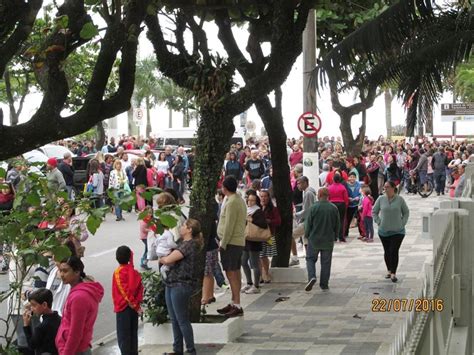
(414, 46)
(147, 88)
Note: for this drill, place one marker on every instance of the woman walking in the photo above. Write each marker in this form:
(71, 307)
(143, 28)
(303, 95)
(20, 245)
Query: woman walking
(391, 214)
(251, 253)
(181, 282)
(117, 181)
(97, 181)
(272, 216)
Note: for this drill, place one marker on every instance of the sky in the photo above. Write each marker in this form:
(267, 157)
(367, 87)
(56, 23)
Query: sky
(292, 103)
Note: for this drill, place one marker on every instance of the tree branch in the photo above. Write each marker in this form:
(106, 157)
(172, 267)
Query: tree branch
(172, 65)
(227, 38)
(200, 38)
(11, 46)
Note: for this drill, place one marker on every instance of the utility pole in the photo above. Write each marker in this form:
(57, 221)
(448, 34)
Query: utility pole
(310, 145)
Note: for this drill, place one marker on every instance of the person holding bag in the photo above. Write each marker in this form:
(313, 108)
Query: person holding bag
(117, 182)
(251, 253)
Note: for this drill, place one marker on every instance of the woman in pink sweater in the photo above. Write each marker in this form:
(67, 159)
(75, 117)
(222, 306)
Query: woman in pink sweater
(339, 196)
(366, 215)
(80, 312)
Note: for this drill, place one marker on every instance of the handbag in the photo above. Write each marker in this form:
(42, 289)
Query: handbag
(254, 233)
(127, 188)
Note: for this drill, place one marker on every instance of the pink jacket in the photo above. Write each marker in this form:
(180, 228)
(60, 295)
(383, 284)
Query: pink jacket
(79, 315)
(367, 206)
(338, 193)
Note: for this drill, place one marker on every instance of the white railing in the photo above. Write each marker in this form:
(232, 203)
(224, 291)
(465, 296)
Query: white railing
(447, 283)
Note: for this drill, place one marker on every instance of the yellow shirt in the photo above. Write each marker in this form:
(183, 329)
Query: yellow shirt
(231, 227)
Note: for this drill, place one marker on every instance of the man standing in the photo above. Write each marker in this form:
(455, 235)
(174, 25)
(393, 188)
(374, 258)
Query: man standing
(322, 227)
(170, 158)
(67, 170)
(231, 232)
(309, 197)
(462, 180)
(438, 163)
(255, 167)
(55, 178)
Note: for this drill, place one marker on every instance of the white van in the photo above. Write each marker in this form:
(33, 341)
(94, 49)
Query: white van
(186, 137)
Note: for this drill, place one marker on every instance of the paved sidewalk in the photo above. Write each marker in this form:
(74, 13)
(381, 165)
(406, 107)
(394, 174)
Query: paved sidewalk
(339, 321)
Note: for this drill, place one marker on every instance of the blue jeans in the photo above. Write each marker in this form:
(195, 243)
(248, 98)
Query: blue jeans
(440, 180)
(369, 227)
(127, 331)
(312, 258)
(144, 260)
(118, 210)
(177, 302)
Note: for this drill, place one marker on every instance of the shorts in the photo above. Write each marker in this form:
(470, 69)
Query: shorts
(212, 257)
(231, 257)
(423, 176)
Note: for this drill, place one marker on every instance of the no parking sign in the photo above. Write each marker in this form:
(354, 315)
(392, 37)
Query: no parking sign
(309, 124)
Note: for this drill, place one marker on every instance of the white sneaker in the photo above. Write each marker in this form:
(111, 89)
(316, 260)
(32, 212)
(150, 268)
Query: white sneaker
(294, 261)
(252, 290)
(245, 288)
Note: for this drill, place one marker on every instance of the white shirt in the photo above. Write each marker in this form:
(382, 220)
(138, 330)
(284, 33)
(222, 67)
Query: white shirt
(162, 166)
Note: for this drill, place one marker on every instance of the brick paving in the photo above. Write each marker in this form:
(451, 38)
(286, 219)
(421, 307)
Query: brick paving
(339, 321)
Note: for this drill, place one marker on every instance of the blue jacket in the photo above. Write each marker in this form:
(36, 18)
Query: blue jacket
(354, 193)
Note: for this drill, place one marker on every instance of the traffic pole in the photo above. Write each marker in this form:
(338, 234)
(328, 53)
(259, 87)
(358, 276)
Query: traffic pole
(310, 145)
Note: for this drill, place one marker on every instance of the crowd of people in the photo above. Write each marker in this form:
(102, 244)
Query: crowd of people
(355, 191)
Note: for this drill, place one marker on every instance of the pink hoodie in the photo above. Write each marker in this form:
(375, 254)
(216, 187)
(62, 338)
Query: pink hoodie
(367, 206)
(79, 315)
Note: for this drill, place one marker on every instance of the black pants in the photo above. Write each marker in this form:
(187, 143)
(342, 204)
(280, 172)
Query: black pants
(127, 331)
(440, 181)
(351, 212)
(341, 207)
(391, 246)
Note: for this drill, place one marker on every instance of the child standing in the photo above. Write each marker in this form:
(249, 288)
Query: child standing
(367, 215)
(145, 228)
(127, 294)
(41, 340)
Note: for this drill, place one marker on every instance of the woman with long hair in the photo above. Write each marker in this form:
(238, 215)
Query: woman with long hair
(272, 216)
(251, 253)
(140, 177)
(80, 311)
(117, 181)
(180, 283)
(162, 169)
(97, 181)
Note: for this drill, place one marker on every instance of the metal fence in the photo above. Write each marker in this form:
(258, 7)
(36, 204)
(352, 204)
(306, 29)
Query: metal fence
(440, 321)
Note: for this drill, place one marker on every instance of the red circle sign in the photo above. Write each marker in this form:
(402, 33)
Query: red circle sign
(309, 124)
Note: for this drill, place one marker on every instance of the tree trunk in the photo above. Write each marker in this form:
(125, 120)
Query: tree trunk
(100, 140)
(388, 112)
(213, 141)
(353, 146)
(170, 118)
(429, 122)
(148, 118)
(273, 121)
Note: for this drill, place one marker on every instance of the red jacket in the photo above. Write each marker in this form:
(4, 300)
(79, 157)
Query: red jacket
(127, 288)
(79, 315)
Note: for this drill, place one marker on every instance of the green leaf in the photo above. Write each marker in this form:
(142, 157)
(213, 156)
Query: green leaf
(62, 21)
(168, 220)
(148, 195)
(143, 214)
(61, 252)
(93, 223)
(91, 2)
(3, 173)
(33, 199)
(89, 30)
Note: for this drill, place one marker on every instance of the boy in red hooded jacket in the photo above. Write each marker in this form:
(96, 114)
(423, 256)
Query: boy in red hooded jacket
(127, 294)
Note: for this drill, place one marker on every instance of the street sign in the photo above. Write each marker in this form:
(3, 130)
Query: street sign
(138, 115)
(457, 112)
(309, 124)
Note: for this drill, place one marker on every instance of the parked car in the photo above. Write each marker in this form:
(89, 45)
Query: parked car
(55, 151)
